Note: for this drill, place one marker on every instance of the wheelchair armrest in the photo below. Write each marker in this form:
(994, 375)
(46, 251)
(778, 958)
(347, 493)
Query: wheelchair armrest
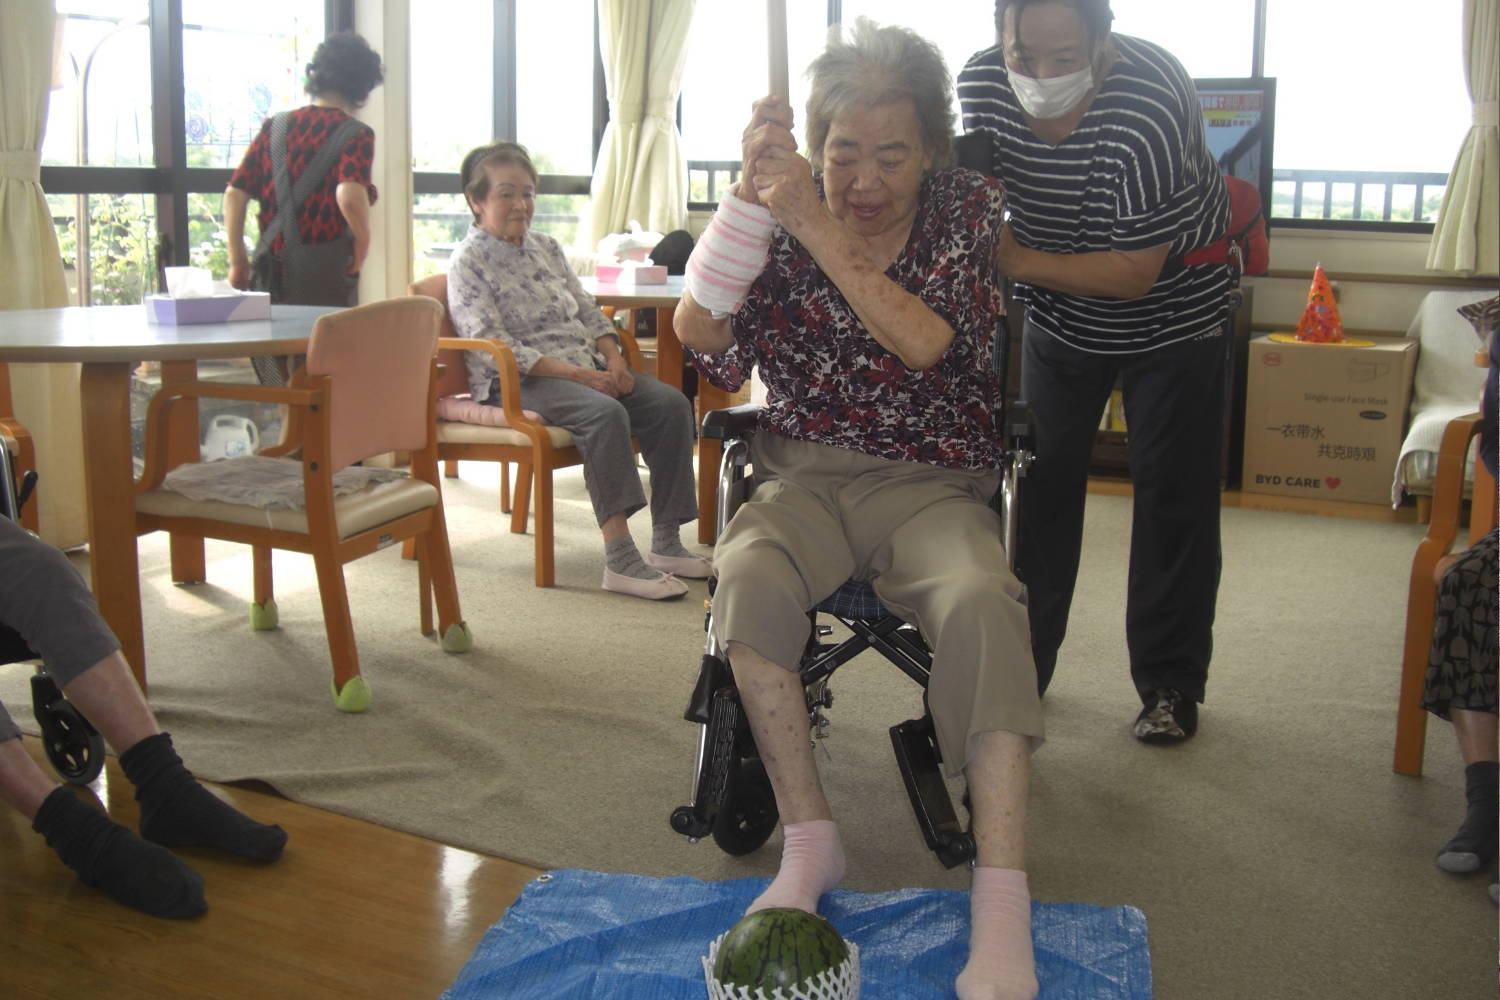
(734, 422)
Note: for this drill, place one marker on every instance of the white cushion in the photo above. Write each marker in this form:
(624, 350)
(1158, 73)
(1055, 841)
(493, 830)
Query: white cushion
(376, 504)
(453, 433)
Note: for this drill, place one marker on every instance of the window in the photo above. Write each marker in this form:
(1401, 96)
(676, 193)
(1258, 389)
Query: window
(242, 64)
(105, 43)
(1370, 111)
(716, 100)
(554, 55)
(1210, 40)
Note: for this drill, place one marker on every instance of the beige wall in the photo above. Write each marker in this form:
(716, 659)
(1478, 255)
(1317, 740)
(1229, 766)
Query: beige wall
(387, 269)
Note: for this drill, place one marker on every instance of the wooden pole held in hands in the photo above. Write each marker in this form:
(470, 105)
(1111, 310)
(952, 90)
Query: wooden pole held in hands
(776, 44)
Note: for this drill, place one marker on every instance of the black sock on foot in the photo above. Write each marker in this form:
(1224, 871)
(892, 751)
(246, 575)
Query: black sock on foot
(177, 811)
(1474, 845)
(112, 859)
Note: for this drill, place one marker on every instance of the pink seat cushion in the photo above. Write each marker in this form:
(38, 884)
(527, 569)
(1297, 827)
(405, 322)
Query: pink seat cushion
(463, 410)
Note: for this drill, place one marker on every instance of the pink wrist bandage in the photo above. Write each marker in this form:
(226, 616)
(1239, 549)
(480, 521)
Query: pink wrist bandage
(730, 255)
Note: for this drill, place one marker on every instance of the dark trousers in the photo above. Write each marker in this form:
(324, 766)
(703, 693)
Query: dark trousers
(1174, 408)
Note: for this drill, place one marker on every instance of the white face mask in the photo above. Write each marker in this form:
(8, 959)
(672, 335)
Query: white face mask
(1052, 98)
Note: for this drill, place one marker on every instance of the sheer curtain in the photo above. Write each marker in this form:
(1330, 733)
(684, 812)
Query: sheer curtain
(641, 173)
(1467, 237)
(45, 396)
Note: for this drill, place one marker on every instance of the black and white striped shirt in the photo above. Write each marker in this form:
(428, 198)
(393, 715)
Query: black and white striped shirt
(1136, 173)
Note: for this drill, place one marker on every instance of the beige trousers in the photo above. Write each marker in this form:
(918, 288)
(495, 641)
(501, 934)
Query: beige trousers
(925, 539)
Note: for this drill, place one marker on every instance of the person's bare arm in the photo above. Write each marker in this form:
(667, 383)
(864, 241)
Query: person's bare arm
(236, 201)
(698, 330)
(1111, 274)
(354, 205)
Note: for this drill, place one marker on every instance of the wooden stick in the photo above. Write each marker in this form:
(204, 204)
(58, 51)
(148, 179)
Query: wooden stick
(776, 44)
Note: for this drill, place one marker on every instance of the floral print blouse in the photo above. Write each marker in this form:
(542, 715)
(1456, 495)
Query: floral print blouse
(829, 382)
(528, 298)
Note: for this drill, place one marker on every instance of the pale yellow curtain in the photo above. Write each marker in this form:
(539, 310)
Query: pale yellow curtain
(31, 267)
(641, 173)
(1466, 239)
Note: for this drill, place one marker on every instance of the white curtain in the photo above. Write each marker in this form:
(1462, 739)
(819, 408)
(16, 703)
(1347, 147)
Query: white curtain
(1466, 239)
(31, 275)
(641, 173)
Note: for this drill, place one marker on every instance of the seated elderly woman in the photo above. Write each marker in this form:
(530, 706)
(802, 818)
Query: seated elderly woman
(867, 298)
(510, 284)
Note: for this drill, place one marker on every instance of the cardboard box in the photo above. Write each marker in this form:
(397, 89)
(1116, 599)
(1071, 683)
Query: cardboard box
(1325, 420)
(212, 309)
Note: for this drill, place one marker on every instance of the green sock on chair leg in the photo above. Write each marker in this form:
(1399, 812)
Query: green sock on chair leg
(458, 638)
(264, 618)
(355, 696)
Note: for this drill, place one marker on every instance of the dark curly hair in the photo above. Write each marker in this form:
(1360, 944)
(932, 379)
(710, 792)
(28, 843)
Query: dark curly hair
(344, 64)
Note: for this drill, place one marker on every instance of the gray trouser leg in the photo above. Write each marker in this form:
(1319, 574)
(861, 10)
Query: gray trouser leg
(44, 599)
(658, 415)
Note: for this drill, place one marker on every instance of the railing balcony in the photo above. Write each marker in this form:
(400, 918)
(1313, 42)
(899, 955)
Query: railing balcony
(1363, 195)
(707, 182)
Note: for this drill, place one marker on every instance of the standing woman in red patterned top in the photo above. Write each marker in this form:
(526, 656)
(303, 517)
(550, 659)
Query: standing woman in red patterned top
(315, 230)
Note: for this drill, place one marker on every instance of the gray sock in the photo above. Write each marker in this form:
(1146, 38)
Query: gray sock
(666, 540)
(622, 557)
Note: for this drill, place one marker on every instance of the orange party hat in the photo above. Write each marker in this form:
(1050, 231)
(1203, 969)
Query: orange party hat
(1320, 323)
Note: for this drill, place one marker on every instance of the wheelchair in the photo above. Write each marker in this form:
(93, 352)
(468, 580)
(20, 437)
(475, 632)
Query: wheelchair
(73, 747)
(732, 796)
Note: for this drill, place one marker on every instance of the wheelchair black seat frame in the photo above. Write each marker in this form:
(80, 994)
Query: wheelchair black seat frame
(732, 799)
(72, 745)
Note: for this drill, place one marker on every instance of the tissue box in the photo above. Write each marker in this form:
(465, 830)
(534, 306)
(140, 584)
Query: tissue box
(622, 274)
(212, 309)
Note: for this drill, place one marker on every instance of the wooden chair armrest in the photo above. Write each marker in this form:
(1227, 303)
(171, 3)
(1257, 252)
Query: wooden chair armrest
(632, 350)
(1448, 484)
(510, 381)
(160, 411)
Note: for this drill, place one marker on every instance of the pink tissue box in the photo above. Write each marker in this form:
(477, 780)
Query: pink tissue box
(215, 309)
(620, 274)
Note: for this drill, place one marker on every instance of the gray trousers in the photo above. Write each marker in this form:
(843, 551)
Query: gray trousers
(929, 545)
(43, 598)
(659, 416)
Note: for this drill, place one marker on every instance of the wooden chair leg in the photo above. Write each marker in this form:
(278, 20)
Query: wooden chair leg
(505, 503)
(424, 584)
(341, 648)
(450, 468)
(545, 570)
(1411, 719)
(1424, 509)
(438, 559)
(521, 502)
(260, 559)
(409, 551)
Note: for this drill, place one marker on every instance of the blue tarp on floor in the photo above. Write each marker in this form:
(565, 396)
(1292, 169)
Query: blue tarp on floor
(580, 934)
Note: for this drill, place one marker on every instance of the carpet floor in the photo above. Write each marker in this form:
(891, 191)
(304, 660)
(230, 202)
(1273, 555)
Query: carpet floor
(1275, 855)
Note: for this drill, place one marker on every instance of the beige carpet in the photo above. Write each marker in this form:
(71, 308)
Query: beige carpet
(1275, 855)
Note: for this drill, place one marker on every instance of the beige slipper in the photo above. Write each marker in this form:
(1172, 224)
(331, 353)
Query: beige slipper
(687, 567)
(664, 588)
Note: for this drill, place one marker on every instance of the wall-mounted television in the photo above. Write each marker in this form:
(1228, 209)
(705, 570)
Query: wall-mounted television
(1239, 118)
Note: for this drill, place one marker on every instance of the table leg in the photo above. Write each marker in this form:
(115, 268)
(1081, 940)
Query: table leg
(109, 479)
(668, 349)
(188, 562)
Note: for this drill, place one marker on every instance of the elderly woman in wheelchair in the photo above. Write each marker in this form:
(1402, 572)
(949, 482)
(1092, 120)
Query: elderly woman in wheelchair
(867, 298)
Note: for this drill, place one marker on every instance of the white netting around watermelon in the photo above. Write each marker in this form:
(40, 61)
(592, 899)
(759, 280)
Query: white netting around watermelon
(840, 984)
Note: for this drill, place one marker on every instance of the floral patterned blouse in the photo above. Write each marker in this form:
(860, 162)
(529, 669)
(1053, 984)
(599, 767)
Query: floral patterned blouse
(528, 298)
(320, 220)
(829, 382)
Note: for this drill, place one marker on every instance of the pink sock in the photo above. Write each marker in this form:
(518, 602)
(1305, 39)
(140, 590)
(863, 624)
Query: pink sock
(812, 862)
(1001, 966)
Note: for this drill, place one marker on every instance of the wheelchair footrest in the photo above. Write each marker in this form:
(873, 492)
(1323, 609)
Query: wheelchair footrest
(915, 744)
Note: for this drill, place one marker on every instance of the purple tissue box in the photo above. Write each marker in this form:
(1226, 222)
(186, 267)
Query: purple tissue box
(214, 309)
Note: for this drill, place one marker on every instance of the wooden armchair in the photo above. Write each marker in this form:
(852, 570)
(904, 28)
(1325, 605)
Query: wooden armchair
(1434, 556)
(537, 449)
(368, 388)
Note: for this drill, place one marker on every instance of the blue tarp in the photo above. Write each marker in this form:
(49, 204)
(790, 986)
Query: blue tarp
(580, 934)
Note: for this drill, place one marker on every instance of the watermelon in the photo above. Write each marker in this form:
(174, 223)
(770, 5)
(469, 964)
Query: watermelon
(778, 948)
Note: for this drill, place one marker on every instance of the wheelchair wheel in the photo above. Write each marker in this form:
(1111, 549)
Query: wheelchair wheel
(74, 749)
(749, 813)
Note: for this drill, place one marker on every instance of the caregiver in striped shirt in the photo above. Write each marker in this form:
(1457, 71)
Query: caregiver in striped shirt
(1099, 141)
